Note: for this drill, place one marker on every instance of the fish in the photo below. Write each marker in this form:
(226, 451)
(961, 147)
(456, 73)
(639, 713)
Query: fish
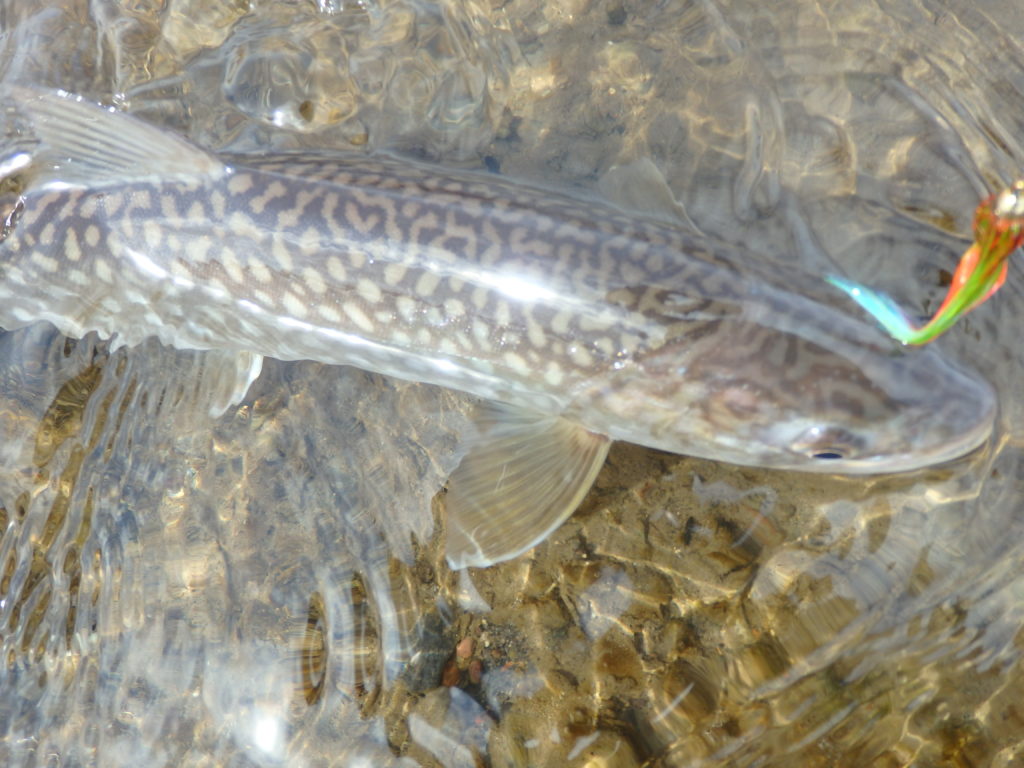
(573, 322)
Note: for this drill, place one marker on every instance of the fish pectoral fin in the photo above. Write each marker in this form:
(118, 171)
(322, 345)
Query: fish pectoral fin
(528, 473)
(639, 186)
(82, 143)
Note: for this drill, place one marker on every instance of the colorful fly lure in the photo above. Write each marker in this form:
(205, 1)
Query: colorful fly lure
(998, 231)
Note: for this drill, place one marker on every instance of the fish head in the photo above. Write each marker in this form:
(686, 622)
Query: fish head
(802, 386)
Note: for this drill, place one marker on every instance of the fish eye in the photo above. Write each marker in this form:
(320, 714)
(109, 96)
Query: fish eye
(827, 455)
(827, 443)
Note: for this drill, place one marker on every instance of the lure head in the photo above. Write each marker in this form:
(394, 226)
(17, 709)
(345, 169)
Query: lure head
(778, 380)
(1009, 204)
(999, 223)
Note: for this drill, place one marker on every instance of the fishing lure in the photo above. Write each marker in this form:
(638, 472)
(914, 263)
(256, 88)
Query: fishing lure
(998, 232)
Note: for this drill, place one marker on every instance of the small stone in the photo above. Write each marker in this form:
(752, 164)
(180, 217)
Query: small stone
(465, 648)
(450, 675)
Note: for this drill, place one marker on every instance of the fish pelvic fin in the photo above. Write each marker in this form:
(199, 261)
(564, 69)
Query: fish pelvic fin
(234, 374)
(82, 144)
(524, 477)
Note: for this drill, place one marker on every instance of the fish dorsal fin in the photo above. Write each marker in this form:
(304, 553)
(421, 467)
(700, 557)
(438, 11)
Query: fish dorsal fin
(84, 144)
(525, 476)
(639, 186)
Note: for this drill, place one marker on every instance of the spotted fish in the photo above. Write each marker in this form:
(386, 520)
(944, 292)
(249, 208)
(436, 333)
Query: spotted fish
(575, 323)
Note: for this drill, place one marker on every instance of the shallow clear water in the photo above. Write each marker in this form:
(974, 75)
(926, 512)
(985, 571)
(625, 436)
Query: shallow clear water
(266, 587)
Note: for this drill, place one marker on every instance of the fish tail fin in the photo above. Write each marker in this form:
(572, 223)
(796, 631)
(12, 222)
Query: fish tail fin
(79, 143)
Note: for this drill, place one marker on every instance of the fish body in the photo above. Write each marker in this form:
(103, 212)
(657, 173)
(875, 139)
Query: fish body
(584, 323)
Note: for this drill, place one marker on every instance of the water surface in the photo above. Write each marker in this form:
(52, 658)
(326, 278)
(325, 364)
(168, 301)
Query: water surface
(266, 587)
